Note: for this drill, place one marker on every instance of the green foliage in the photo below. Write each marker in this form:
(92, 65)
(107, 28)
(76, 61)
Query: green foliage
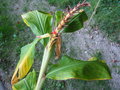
(7, 32)
(97, 54)
(39, 22)
(28, 83)
(107, 17)
(6, 25)
(63, 3)
(76, 22)
(25, 62)
(69, 68)
(6, 29)
(58, 17)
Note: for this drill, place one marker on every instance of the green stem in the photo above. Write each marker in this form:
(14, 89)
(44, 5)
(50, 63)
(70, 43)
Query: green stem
(40, 83)
(46, 58)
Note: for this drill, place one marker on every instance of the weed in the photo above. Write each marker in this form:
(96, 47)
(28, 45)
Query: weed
(97, 54)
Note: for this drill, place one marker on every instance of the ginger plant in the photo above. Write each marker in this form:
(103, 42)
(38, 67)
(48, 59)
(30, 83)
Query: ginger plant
(41, 24)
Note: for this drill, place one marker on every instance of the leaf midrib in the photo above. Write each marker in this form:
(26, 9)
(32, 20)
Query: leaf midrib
(61, 69)
(25, 56)
(27, 85)
(28, 52)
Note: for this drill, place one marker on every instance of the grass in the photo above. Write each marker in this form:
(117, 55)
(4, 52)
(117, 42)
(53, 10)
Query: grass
(9, 31)
(108, 19)
(97, 54)
(6, 32)
(63, 3)
(6, 26)
(107, 16)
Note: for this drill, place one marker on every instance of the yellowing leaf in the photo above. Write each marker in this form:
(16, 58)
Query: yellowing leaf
(25, 62)
(93, 59)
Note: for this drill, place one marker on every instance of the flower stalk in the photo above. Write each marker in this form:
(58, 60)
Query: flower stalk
(68, 16)
(53, 40)
(46, 58)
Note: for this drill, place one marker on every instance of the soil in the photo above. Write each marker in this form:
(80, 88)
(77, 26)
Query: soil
(80, 45)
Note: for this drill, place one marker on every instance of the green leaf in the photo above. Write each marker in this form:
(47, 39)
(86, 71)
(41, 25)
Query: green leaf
(25, 62)
(40, 23)
(69, 68)
(58, 17)
(28, 83)
(76, 22)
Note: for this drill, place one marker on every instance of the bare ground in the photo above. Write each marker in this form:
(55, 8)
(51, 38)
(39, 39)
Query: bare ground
(80, 45)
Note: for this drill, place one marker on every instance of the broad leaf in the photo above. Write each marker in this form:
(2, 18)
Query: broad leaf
(76, 22)
(58, 17)
(25, 62)
(39, 22)
(28, 83)
(69, 68)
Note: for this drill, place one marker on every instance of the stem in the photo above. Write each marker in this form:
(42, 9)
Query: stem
(45, 60)
(47, 51)
(94, 12)
(68, 16)
(40, 83)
